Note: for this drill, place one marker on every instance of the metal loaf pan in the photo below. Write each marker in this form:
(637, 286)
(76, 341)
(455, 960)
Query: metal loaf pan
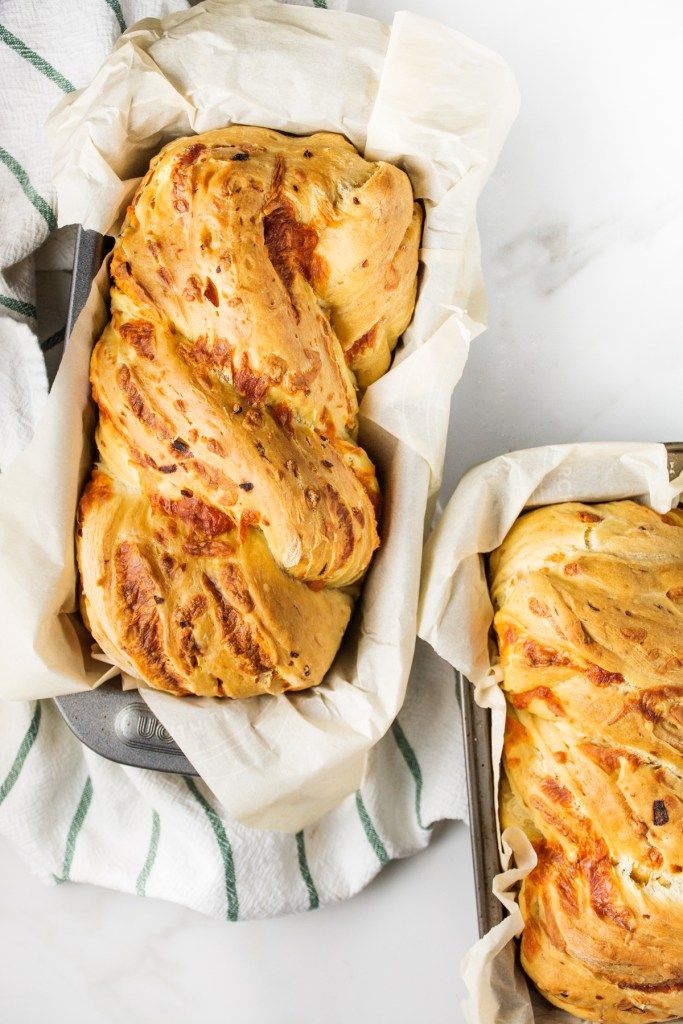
(113, 722)
(476, 723)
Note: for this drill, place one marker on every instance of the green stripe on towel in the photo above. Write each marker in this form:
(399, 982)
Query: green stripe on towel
(313, 899)
(370, 830)
(116, 8)
(18, 306)
(141, 883)
(75, 828)
(413, 767)
(54, 339)
(20, 47)
(27, 188)
(224, 847)
(22, 753)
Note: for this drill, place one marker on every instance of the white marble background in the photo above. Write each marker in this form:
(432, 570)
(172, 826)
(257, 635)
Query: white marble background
(582, 233)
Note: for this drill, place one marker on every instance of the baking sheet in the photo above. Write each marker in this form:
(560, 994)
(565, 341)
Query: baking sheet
(455, 616)
(418, 94)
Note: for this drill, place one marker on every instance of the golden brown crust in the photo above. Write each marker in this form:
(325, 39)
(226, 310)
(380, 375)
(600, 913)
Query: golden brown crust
(258, 281)
(589, 621)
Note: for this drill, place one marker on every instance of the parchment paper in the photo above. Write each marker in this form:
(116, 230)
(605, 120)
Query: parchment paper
(418, 94)
(455, 614)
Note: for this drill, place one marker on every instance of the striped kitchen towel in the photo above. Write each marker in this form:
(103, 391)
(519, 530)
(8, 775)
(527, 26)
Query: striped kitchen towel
(76, 817)
(73, 815)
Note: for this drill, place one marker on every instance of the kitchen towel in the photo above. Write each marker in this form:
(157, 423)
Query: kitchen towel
(72, 814)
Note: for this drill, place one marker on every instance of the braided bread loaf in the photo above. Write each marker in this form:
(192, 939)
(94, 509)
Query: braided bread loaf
(589, 622)
(257, 282)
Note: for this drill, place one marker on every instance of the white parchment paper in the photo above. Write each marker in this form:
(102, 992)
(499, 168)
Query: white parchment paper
(455, 615)
(418, 94)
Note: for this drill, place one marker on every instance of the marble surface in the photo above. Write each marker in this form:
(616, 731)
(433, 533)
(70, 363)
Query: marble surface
(582, 235)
